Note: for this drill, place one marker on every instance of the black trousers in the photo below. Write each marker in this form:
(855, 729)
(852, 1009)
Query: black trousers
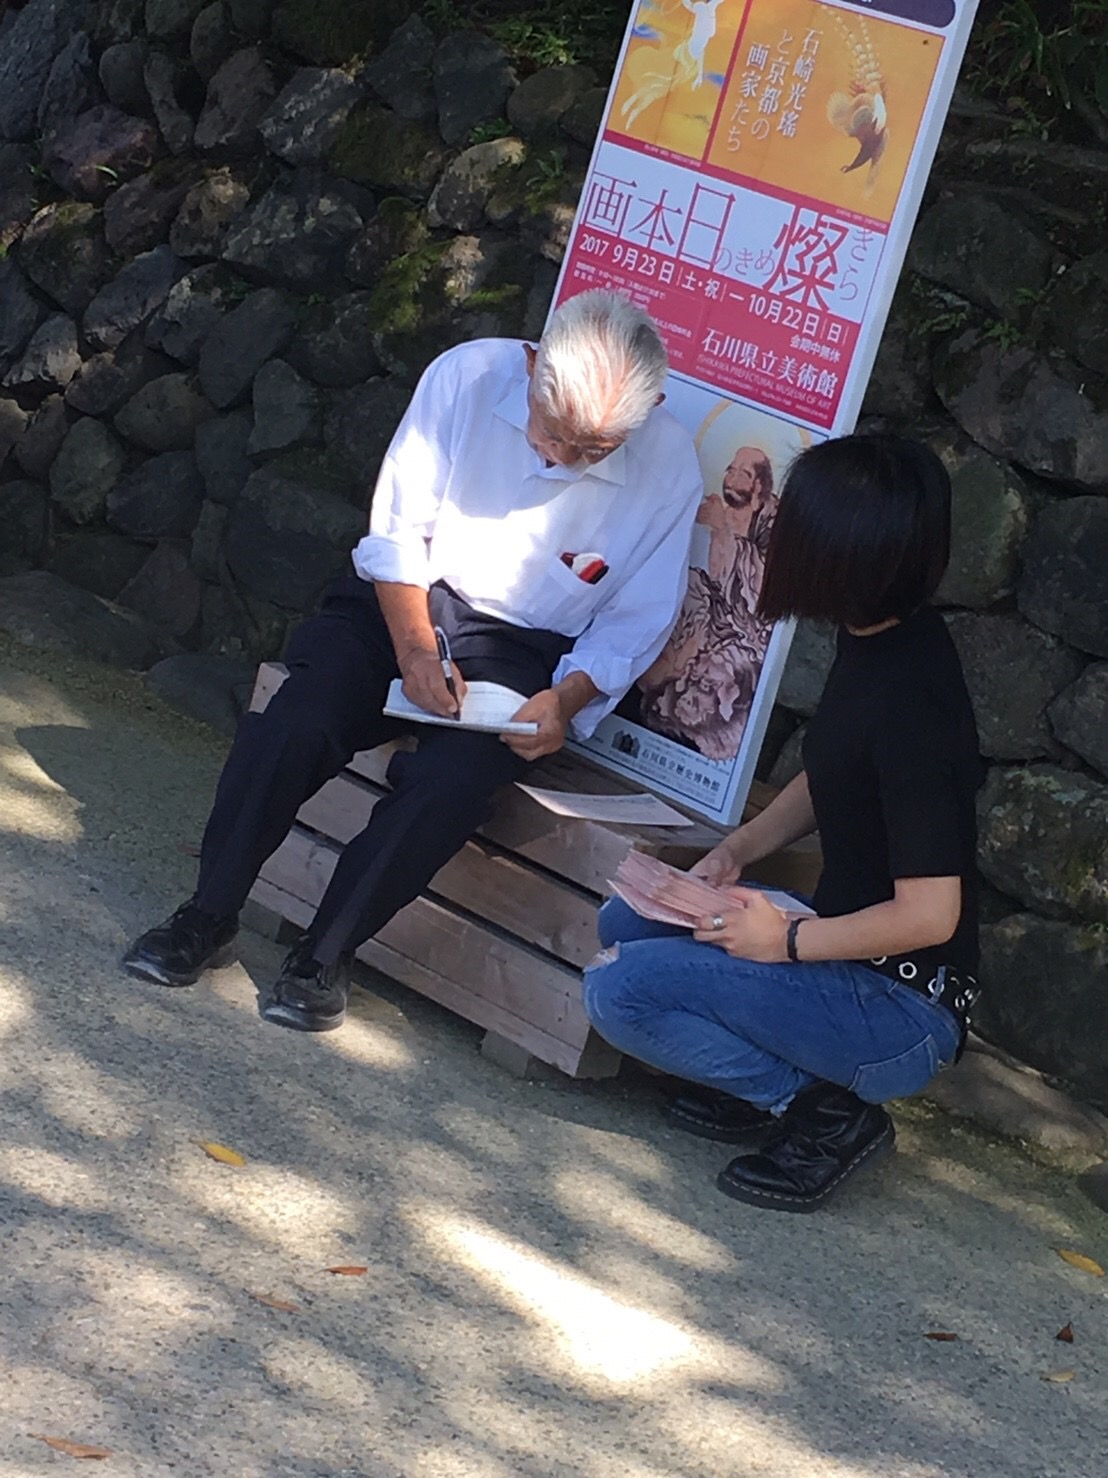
(340, 663)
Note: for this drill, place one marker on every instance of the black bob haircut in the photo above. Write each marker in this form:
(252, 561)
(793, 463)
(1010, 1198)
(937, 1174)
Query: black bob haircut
(862, 533)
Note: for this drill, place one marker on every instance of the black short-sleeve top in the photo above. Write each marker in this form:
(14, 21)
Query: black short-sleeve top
(893, 768)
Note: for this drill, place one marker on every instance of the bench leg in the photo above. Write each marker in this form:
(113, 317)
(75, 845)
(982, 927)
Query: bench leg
(597, 1060)
(513, 1058)
(268, 923)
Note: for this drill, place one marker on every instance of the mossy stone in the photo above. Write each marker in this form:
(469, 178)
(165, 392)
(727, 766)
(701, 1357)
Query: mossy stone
(1043, 997)
(519, 189)
(1044, 840)
(399, 227)
(63, 252)
(322, 469)
(331, 32)
(379, 149)
(468, 287)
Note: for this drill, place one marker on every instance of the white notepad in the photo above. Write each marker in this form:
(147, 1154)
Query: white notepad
(487, 707)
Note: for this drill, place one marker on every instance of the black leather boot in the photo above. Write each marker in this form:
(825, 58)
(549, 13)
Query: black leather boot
(826, 1135)
(180, 950)
(308, 996)
(714, 1115)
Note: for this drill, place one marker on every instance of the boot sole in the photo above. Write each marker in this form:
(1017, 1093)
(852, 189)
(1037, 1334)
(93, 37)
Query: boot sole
(689, 1125)
(299, 1021)
(877, 1150)
(144, 969)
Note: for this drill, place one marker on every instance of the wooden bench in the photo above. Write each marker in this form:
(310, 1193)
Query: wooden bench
(501, 934)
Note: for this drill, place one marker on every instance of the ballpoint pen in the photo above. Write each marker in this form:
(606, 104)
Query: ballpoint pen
(447, 668)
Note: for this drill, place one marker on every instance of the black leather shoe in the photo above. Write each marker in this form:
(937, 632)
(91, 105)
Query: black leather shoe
(713, 1115)
(826, 1136)
(308, 996)
(180, 950)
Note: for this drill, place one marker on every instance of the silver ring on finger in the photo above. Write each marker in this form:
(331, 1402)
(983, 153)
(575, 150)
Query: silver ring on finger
(717, 922)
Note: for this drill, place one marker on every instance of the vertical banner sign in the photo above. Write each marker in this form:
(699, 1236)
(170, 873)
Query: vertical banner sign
(753, 187)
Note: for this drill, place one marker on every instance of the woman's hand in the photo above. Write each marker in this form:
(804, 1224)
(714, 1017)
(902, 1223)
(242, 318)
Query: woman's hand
(754, 929)
(723, 864)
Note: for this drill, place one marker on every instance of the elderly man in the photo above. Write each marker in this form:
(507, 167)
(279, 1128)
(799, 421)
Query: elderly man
(535, 504)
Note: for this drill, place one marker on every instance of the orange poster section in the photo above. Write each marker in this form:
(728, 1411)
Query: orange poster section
(797, 98)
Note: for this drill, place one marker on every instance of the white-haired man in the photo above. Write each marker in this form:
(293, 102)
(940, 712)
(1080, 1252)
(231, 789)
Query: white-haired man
(510, 465)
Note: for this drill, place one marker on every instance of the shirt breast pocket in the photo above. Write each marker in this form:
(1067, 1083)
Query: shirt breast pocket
(568, 602)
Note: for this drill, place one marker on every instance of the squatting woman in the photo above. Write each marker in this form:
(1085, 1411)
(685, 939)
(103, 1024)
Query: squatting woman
(797, 1031)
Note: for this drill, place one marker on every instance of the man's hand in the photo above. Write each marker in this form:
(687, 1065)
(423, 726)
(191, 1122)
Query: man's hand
(755, 929)
(552, 710)
(425, 685)
(544, 709)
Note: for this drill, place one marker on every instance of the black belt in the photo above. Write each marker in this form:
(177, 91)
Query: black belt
(948, 986)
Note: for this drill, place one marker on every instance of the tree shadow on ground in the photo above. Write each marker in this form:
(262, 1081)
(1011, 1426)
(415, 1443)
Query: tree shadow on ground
(553, 1284)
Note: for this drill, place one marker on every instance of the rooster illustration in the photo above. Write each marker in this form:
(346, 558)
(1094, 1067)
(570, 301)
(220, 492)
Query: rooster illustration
(861, 113)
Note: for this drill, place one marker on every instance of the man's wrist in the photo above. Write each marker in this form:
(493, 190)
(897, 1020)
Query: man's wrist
(575, 691)
(416, 649)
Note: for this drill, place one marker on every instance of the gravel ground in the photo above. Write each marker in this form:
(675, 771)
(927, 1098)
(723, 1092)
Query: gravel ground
(553, 1286)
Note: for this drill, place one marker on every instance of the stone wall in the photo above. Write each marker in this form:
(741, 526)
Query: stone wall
(228, 250)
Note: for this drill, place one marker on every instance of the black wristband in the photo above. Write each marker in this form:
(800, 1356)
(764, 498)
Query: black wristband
(790, 941)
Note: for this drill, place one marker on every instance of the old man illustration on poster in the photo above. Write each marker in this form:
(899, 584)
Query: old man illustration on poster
(699, 691)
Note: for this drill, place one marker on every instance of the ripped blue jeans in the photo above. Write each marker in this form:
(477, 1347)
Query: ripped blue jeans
(760, 1032)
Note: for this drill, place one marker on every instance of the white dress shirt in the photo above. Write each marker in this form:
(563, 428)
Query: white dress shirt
(463, 497)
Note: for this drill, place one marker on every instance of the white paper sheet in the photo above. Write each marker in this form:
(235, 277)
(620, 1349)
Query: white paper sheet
(636, 809)
(487, 707)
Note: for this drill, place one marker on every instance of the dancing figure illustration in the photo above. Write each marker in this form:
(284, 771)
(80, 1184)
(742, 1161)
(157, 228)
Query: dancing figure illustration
(703, 29)
(688, 62)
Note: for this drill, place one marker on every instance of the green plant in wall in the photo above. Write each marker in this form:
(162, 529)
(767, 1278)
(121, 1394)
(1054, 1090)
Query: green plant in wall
(407, 289)
(237, 289)
(565, 32)
(444, 15)
(938, 312)
(1044, 60)
(535, 41)
(1004, 334)
(492, 128)
(333, 32)
(545, 173)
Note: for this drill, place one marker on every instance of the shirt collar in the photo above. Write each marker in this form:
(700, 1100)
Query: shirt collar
(512, 407)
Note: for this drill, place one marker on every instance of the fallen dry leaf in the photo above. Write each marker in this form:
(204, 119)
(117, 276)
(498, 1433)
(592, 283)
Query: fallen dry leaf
(190, 849)
(72, 1449)
(277, 1303)
(940, 1334)
(1079, 1260)
(221, 1152)
(351, 1271)
(1065, 1334)
(1059, 1377)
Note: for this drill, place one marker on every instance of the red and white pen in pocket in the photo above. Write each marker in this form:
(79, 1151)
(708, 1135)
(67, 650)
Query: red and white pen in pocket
(588, 567)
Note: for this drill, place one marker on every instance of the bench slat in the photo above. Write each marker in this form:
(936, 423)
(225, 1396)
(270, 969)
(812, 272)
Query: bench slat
(585, 852)
(495, 967)
(505, 923)
(594, 1058)
(481, 878)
